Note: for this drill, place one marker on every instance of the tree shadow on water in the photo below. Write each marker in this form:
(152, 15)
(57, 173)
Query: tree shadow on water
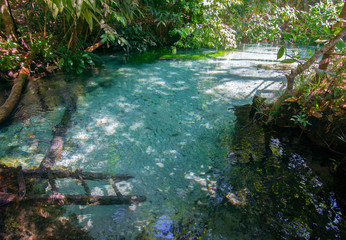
(271, 188)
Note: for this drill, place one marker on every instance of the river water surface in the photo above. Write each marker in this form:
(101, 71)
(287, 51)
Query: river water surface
(170, 124)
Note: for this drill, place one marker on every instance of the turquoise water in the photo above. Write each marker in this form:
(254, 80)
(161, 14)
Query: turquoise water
(169, 123)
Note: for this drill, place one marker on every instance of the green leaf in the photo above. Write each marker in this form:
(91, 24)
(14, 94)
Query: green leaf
(61, 62)
(319, 71)
(111, 37)
(70, 62)
(281, 52)
(340, 44)
(288, 61)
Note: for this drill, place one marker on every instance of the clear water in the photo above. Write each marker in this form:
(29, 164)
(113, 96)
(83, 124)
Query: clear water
(168, 123)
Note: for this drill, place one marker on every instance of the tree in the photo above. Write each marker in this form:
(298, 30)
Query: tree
(328, 55)
(326, 51)
(10, 26)
(78, 14)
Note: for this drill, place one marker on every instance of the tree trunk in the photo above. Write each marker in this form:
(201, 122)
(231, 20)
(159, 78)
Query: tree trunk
(10, 26)
(7, 108)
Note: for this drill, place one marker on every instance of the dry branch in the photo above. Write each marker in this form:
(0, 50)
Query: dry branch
(95, 46)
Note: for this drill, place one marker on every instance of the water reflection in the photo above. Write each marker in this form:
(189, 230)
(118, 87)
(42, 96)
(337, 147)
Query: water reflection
(279, 191)
(163, 228)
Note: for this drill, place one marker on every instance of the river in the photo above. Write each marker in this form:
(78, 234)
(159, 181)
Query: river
(172, 124)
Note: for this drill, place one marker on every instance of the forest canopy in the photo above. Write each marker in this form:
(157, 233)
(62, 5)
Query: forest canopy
(56, 33)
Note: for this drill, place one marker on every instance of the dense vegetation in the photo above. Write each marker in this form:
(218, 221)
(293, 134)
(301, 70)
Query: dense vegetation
(45, 33)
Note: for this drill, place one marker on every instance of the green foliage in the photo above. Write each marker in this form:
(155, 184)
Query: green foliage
(341, 47)
(42, 48)
(288, 24)
(76, 62)
(300, 119)
(321, 96)
(39, 50)
(10, 59)
(105, 13)
(196, 56)
(205, 27)
(133, 39)
(281, 52)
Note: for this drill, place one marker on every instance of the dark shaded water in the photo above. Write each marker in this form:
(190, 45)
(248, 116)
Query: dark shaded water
(206, 170)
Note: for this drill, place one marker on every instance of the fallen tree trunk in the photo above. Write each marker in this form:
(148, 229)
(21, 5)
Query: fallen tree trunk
(59, 132)
(67, 199)
(7, 108)
(64, 199)
(28, 173)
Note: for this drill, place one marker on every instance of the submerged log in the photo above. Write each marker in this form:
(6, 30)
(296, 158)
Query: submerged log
(51, 180)
(59, 133)
(16, 91)
(84, 184)
(6, 198)
(21, 183)
(66, 199)
(60, 198)
(115, 188)
(29, 173)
